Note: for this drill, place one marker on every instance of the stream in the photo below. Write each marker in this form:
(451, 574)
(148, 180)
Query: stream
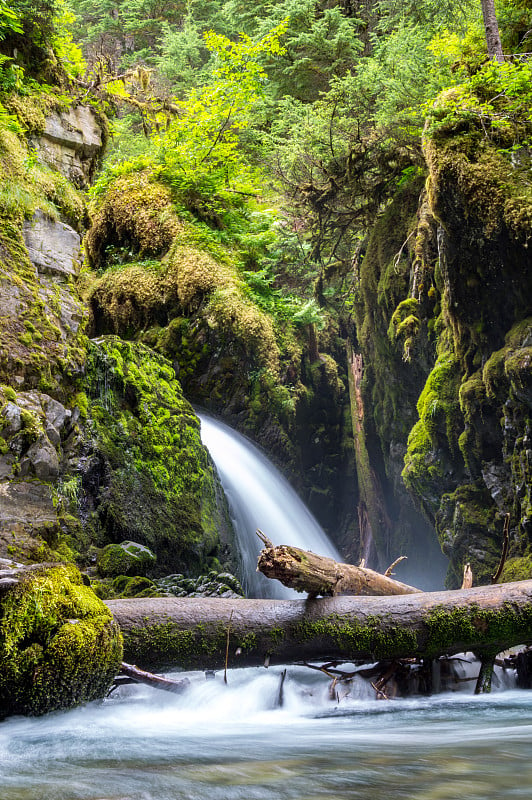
(261, 738)
(232, 742)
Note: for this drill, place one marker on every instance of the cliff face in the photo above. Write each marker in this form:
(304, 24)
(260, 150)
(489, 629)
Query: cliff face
(445, 332)
(97, 441)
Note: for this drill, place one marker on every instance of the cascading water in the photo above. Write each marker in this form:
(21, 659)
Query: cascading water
(259, 497)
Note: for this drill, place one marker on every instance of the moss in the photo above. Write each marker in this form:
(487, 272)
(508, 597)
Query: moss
(447, 629)
(375, 637)
(161, 489)
(59, 645)
(136, 586)
(166, 645)
(126, 558)
(35, 341)
(405, 324)
(517, 569)
(435, 437)
(134, 217)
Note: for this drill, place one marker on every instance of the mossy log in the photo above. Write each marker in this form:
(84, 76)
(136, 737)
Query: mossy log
(164, 633)
(318, 575)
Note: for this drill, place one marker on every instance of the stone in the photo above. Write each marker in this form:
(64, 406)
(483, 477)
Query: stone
(6, 466)
(25, 503)
(71, 144)
(126, 558)
(55, 412)
(52, 246)
(42, 456)
(12, 421)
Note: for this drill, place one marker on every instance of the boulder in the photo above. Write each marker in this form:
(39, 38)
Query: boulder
(126, 558)
(59, 645)
(53, 246)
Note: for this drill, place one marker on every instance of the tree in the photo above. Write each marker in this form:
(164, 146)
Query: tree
(491, 28)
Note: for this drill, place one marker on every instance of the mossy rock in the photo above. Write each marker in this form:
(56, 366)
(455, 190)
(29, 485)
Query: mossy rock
(154, 481)
(126, 558)
(136, 586)
(59, 644)
(517, 569)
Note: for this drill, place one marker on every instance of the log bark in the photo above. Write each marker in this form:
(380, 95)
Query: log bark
(319, 575)
(165, 633)
(137, 675)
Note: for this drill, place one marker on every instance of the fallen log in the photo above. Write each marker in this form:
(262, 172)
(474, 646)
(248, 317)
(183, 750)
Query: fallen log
(305, 571)
(165, 633)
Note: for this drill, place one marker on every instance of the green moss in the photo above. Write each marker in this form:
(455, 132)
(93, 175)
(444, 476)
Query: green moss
(517, 569)
(166, 645)
(161, 489)
(59, 645)
(375, 637)
(134, 216)
(447, 629)
(437, 431)
(126, 558)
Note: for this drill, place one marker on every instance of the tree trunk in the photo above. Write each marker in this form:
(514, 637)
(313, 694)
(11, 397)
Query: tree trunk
(308, 572)
(164, 633)
(491, 29)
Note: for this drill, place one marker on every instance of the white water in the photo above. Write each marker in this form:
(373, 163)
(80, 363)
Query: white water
(259, 497)
(233, 742)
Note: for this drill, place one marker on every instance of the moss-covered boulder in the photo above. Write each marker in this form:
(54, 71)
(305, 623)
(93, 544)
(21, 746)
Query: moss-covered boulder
(146, 476)
(126, 558)
(59, 644)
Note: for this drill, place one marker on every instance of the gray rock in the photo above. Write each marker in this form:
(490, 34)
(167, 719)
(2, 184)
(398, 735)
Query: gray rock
(12, 422)
(52, 246)
(25, 503)
(6, 466)
(42, 456)
(55, 412)
(71, 143)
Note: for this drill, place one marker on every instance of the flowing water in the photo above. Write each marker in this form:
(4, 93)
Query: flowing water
(232, 742)
(238, 741)
(259, 497)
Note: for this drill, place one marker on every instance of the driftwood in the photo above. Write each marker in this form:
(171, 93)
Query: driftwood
(318, 575)
(163, 633)
(136, 675)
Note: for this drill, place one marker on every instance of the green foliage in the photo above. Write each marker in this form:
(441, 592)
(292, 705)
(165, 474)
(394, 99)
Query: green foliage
(198, 152)
(9, 20)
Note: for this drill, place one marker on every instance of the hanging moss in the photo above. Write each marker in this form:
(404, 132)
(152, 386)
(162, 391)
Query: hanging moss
(59, 645)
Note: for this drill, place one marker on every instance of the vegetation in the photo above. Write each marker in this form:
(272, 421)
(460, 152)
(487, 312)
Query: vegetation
(281, 181)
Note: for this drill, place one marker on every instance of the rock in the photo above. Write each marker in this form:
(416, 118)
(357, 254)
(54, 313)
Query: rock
(60, 645)
(12, 421)
(52, 246)
(55, 412)
(25, 503)
(43, 457)
(126, 558)
(71, 143)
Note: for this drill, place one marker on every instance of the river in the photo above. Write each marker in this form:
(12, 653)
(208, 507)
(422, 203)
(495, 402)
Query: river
(232, 742)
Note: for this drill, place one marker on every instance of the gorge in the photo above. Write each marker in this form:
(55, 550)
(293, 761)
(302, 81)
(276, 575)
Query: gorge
(312, 222)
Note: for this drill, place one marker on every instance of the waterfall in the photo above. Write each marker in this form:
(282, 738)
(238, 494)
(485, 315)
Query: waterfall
(259, 497)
